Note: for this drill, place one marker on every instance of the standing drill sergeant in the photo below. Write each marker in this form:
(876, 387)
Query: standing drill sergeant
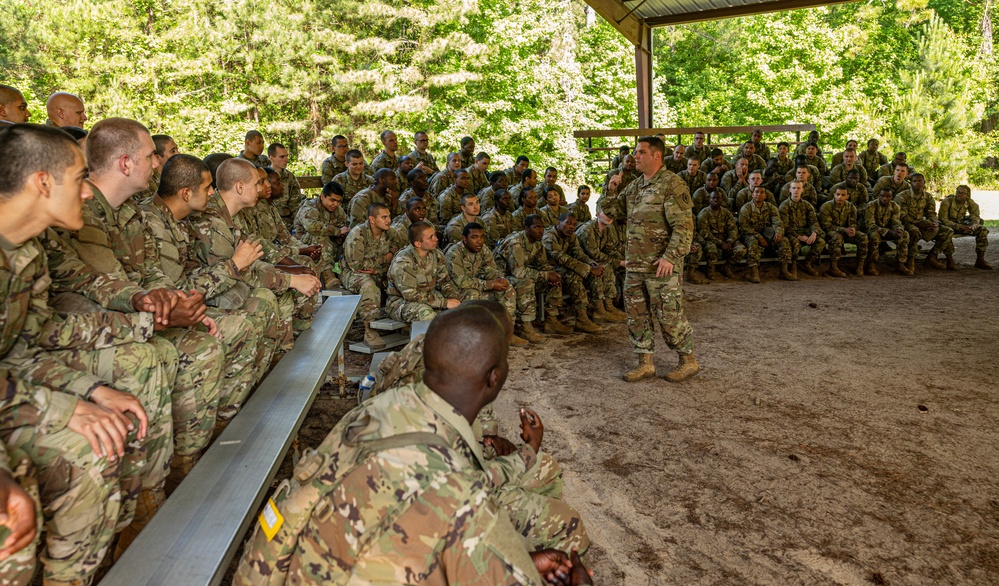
(113, 240)
(961, 214)
(801, 227)
(838, 219)
(419, 286)
(759, 222)
(918, 212)
(719, 232)
(95, 447)
(366, 257)
(573, 266)
(882, 218)
(322, 221)
(600, 241)
(659, 232)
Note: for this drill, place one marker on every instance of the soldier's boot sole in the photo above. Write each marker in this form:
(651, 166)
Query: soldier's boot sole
(951, 265)
(754, 274)
(645, 369)
(150, 500)
(686, 368)
(981, 263)
(932, 262)
(726, 270)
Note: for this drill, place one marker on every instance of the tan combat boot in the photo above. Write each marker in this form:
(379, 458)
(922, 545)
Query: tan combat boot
(911, 263)
(931, 261)
(834, 269)
(726, 270)
(371, 337)
(583, 323)
(711, 271)
(180, 467)
(530, 334)
(686, 368)
(553, 326)
(609, 309)
(860, 269)
(903, 268)
(809, 268)
(872, 268)
(518, 341)
(981, 263)
(754, 274)
(951, 265)
(645, 369)
(598, 311)
(785, 272)
(150, 500)
(692, 276)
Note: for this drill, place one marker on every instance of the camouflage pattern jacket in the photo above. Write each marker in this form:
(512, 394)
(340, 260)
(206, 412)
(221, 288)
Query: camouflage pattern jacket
(363, 251)
(834, 218)
(420, 280)
(520, 258)
(471, 271)
(603, 246)
(565, 251)
(718, 227)
(660, 223)
(799, 218)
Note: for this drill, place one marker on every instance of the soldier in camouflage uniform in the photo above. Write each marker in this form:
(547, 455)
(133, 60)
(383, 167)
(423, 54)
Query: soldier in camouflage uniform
(498, 222)
(445, 177)
(840, 171)
(628, 175)
(366, 257)
(552, 210)
(578, 271)
(801, 228)
(872, 160)
(550, 181)
(469, 213)
(402, 172)
(515, 174)
(270, 226)
(419, 286)
(336, 163)
(883, 222)
(754, 161)
(761, 228)
(579, 208)
(698, 149)
(478, 173)
(473, 271)
(185, 187)
(701, 197)
(95, 447)
(467, 152)
(354, 179)
(961, 214)
(814, 177)
(528, 182)
(838, 219)
(677, 162)
(601, 242)
(896, 182)
(419, 187)
(449, 201)
(857, 190)
(322, 221)
(22, 506)
(421, 158)
(487, 196)
(745, 195)
(387, 159)
(717, 163)
(430, 441)
(719, 233)
(760, 148)
(808, 193)
(416, 211)
(521, 257)
(385, 190)
(253, 149)
(659, 232)
(528, 207)
(735, 181)
(291, 197)
(888, 169)
(918, 212)
(692, 175)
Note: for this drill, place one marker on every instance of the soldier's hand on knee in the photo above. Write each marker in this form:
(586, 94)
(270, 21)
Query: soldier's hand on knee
(532, 431)
(190, 309)
(122, 403)
(104, 429)
(17, 513)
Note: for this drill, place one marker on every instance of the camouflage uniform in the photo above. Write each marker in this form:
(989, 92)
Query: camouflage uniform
(479, 179)
(953, 213)
(660, 226)
(835, 220)
(428, 160)
(701, 199)
(695, 181)
(270, 227)
(761, 150)
(287, 203)
(399, 233)
(418, 288)
(363, 251)
(580, 211)
(487, 199)
(513, 177)
(543, 187)
(314, 224)
(839, 173)
(471, 273)
(19, 568)
(756, 162)
(58, 362)
(267, 289)
(519, 216)
(449, 204)
(888, 182)
(366, 197)
(332, 167)
(784, 166)
(746, 195)
(701, 153)
(732, 185)
(879, 219)
(351, 186)
(402, 183)
(817, 162)
(872, 163)
(262, 160)
(496, 226)
(248, 352)
(917, 208)
(549, 216)
(441, 181)
(799, 219)
(753, 221)
(452, 233)
(626, 178)
(114, 242)
(383, 160)
(813, 176)
(716, 229)
(808, 194)
(859, 195)
(429, 205)
(525, 263)
(573, 265)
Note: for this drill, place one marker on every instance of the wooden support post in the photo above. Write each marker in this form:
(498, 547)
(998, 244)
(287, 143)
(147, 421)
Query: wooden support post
(643, 77)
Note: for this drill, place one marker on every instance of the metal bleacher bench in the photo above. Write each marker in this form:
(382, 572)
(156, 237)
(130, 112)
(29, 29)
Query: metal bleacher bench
(195, 534)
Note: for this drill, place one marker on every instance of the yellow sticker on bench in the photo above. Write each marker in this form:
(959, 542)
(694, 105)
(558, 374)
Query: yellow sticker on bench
(271, 519)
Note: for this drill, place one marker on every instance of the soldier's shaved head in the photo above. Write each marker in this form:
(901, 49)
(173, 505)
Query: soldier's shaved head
(213, 161)
(233, 171)
(111, 139)
(65, 109)
(181, 171)
(13, 106)
(27, 149)
(465, 355)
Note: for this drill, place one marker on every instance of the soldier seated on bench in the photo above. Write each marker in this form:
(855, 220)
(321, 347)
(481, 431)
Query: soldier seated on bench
(419, 286)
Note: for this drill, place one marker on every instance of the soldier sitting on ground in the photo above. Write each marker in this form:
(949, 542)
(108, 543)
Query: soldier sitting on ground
(759, 222)
(419, 286)
(883, 222)
(960, 213)
(801, 228)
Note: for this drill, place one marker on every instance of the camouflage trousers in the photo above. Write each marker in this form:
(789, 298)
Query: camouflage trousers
(370, 288)
(507, 298)
(604, 287)
(835, 241)
(874, 239)
(409, 311)
(537, 512)
(245, 358)
(527, 300)
(262, 306)
(19, 568)
(755, 251)
(574, 287)
(324, 266)
(713, 252)
(194, 361)
(942, 238)
(305, 310)
(981, 238)
(648, 298)
(814, 249)
(81, 501)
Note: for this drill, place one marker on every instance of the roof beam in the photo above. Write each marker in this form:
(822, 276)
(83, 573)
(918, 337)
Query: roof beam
(621, 18)
(733, 11)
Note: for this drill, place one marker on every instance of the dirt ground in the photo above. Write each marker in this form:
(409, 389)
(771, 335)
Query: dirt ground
(840, 432)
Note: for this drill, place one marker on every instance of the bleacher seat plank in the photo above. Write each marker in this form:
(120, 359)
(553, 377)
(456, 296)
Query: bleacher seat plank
(391, 341)
(193, 537)
(388, 324)
(417, 328)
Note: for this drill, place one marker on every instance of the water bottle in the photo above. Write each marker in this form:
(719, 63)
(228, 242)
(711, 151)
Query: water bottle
(367, 385)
